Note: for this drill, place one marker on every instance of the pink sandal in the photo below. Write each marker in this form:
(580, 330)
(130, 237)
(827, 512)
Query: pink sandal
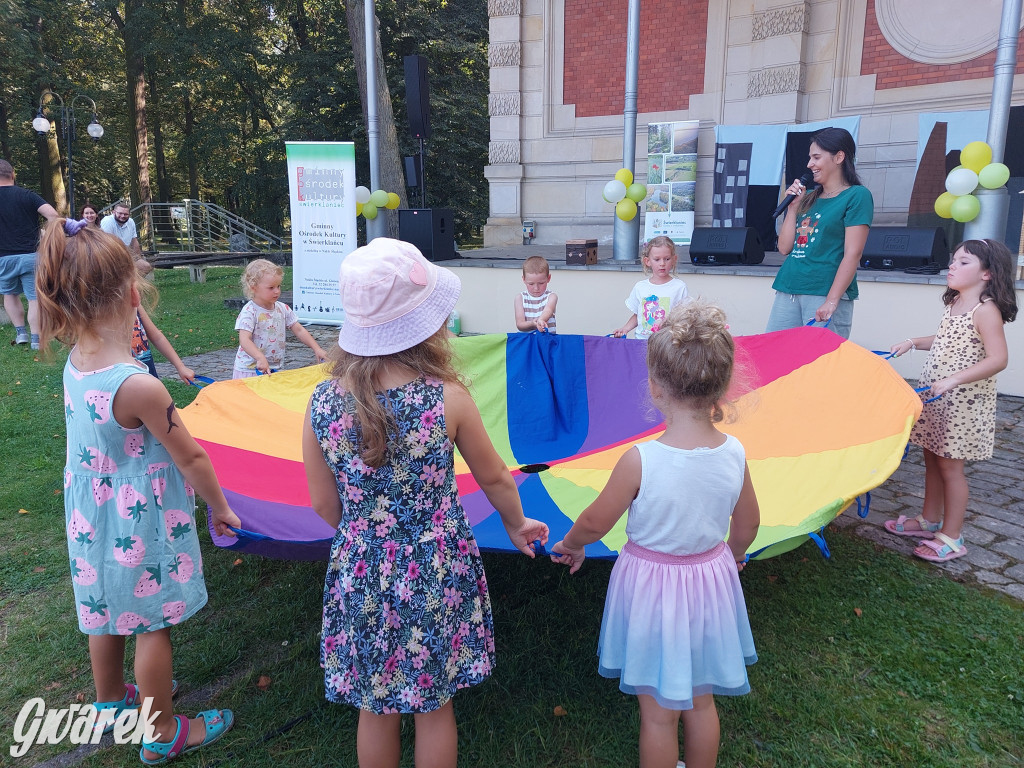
(943, 548)
(925, 530)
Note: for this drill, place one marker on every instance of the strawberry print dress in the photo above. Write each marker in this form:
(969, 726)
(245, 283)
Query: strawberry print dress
(407, 617)
(130, 516)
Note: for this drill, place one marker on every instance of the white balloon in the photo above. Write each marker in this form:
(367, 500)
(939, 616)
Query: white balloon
(362, 195)
(961, 181)
(614, 191)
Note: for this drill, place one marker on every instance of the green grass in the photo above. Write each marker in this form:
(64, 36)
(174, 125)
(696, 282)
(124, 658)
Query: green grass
(867, 659)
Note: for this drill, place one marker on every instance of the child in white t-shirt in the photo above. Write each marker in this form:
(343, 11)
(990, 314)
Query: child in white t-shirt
(261, 324)
(653, 297)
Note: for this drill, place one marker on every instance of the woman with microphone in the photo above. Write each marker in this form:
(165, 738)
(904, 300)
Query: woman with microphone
(823, 237)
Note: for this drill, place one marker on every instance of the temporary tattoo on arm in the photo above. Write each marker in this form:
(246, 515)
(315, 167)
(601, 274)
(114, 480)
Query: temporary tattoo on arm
(170, 418)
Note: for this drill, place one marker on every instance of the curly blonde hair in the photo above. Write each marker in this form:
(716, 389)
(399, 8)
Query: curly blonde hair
(693, 354)
(254, 273)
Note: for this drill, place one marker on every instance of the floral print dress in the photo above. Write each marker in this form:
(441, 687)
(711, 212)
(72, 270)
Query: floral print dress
(407, 617)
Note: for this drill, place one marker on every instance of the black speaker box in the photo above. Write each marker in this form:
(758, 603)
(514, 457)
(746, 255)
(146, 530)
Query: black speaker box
(726, 245)
(432, 230)
(904, 247)
(412, 170)
(417, 96)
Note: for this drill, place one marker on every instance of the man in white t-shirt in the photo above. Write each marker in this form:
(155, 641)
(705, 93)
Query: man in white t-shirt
(121, 225)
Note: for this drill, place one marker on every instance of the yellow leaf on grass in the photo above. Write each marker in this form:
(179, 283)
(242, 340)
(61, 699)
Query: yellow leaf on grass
(22, 511)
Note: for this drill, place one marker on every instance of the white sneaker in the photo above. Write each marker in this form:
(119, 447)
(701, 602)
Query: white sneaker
(34, 345)
(22, 337)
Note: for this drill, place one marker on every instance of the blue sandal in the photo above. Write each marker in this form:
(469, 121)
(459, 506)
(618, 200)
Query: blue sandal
(130, 700)
(218, 722)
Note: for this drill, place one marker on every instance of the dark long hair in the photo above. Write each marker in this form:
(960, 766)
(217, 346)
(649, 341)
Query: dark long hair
(999, 262)
(833, 140)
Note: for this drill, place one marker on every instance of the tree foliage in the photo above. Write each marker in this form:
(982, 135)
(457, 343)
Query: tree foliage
(197, 97)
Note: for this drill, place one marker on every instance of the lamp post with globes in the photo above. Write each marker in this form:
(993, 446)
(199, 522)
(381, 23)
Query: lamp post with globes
(66, 115)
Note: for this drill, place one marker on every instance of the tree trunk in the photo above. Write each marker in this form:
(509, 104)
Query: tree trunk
(51, 178)
(190, 155)
(141, 190)
(163, 182)
(392, 175)
(5, 134)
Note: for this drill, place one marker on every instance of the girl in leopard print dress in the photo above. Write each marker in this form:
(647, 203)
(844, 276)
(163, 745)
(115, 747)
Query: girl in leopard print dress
(958, 424)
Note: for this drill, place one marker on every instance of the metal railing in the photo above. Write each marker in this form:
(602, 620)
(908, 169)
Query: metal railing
(194, 226)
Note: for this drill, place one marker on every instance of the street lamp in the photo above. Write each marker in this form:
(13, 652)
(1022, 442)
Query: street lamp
(67, 123)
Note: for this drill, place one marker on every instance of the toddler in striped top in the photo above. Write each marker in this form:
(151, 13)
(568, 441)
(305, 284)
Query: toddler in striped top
(535, 307)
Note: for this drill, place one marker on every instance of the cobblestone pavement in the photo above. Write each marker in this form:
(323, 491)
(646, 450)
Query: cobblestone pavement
(994, 530)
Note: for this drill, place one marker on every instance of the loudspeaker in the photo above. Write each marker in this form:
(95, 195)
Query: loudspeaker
(412, 170)
(726, 245)
(417, 96)
(432, 230)
(904, 247)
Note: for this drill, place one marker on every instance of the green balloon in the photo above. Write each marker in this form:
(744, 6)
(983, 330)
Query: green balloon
(636, 192)
(993, 176)
(369, 210)
(379, 198)
(965, 208)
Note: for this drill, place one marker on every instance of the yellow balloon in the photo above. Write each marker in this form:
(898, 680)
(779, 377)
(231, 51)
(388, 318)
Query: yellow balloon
(625, 176)
(359, 209)
(944, 205)
(976, 155)
(625, 209)
(393, 201)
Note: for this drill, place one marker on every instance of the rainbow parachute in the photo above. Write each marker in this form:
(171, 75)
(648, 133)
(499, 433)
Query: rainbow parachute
(822, 420)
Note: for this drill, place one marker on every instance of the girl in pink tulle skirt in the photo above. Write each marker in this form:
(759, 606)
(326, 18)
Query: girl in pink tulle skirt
(675, 629)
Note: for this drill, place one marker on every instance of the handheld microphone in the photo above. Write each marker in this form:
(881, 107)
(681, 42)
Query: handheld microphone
(807, 180)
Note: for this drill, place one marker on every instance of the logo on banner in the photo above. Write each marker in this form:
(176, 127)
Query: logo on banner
(319, 184)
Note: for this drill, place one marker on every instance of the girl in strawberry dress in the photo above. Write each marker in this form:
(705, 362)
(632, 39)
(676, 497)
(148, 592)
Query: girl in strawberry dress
(130, 514)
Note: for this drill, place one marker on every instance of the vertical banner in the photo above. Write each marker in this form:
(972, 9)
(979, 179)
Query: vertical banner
(321, 193)
(671, 180)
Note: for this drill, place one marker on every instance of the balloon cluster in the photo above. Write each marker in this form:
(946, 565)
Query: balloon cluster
(976, 167)
(624, 193)
(368, 203)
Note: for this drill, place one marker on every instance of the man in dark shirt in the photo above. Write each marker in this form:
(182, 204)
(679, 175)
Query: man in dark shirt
(20, 210)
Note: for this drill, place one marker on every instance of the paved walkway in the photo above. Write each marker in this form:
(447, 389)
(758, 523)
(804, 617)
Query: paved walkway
(994, 531)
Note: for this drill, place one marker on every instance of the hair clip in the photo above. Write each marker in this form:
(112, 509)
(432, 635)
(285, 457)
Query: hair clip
(72, 227)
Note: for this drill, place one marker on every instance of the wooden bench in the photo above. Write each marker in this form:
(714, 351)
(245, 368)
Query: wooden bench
(198, 261)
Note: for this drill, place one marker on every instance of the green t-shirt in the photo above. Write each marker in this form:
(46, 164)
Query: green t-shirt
(811, 266)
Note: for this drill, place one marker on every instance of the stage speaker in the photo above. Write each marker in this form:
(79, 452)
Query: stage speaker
(412, 170)
(726, 245)
(904, 248)
(417, 96)
(432, 230)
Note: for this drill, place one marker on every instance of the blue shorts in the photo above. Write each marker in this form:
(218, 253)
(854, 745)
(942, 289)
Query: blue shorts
(18, 275)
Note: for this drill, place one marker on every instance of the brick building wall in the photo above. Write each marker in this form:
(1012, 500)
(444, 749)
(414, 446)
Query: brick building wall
(894, 70)
(673, 42)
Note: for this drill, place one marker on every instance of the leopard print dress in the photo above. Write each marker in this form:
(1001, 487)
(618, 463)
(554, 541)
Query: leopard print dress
(962, 423)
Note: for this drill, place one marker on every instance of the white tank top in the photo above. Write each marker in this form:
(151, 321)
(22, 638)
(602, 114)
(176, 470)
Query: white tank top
(686, 497)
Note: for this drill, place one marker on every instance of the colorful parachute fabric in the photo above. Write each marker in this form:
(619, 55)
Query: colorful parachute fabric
(822, 420)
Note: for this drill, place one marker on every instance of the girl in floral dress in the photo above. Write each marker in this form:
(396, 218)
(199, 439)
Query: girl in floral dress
(128, 499)
(407, 616)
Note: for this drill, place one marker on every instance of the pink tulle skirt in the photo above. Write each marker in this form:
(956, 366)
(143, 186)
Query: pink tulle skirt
(675, 626)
